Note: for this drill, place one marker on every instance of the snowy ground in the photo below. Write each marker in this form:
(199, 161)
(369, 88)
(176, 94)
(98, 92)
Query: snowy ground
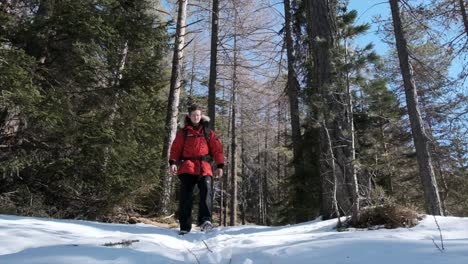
(36, 240)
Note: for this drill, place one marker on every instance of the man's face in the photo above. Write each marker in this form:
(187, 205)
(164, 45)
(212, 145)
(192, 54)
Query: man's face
(195, 116)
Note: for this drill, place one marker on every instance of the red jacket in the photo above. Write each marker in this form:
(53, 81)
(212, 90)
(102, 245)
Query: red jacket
(195, 145)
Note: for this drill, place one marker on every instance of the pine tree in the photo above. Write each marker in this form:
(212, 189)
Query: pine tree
(421, 139)
(89, 110)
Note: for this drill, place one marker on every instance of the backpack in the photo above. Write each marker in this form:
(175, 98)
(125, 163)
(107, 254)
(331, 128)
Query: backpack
(206, 135)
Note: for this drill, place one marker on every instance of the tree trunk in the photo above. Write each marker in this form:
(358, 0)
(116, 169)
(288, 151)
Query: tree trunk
(278, 154)
(464, 16)
(331, 159)
(115, 107)
(329, 105)
(227, 166)
(38, 46)
(233, 215)
(192, 71)
(350, 117)
(173, 105)
(243, 154)
(259, 186)
(265, 174)
(420, 137)
(300, 188)
(388, 165)
(213, 61)
(293, 92)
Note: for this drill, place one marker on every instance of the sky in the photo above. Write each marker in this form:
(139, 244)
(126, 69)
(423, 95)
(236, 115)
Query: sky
(25, 240)
(367, 9)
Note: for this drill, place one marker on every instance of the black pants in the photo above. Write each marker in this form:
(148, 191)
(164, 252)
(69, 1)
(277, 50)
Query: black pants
(187, 182)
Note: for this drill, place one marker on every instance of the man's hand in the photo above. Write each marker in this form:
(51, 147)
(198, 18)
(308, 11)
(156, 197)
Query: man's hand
(173, 170)
(219, 173)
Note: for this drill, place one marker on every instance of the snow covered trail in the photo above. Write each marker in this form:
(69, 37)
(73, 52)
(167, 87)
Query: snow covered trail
(50, 241)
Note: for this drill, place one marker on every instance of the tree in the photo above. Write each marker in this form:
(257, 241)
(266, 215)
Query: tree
(71, 127)
(329, 108)
(233, 213)
(420, 136)
(352, 64)
(293, 96)
(213, 62)
(173, 103)
(463, 14)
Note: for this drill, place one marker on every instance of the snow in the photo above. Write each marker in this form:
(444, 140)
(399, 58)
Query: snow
(49, 241)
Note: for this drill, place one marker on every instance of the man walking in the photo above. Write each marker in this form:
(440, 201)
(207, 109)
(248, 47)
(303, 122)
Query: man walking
(193, 147)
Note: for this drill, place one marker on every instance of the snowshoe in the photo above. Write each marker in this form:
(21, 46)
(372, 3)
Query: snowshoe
(206, 226)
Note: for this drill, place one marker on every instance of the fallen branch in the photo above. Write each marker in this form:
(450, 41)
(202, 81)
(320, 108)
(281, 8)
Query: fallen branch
(169, 216)
(125, 243)
(193, 255)
(207, 246)
(441, 238)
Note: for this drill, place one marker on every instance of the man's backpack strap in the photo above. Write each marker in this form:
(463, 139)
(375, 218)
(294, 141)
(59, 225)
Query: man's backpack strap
(206, 133)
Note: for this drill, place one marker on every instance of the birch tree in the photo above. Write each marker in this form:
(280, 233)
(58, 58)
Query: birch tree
(173, 104)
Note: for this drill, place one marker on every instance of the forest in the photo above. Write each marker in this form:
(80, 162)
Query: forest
(313, 122)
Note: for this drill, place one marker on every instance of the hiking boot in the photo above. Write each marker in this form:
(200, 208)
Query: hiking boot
(206, 226)
(183, 232)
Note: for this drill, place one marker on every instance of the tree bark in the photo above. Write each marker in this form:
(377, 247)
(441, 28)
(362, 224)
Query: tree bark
(38, 46)
(293, 94)
(233, 215)
(173, 105)
(227, 166)
(259, 186)
(293, 97)
(115, 107)
(420, 137)
(331, 160)
(213, 63)
(278, 144)
(329, 104)
(192, 72)
(464, 16)
(243, 189)
(265, 174)
(350, 117)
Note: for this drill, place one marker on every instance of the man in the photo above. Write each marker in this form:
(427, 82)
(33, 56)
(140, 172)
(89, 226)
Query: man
(192, 148)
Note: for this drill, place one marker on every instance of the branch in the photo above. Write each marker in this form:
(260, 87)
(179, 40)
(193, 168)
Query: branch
(207, 246)
(441, 238)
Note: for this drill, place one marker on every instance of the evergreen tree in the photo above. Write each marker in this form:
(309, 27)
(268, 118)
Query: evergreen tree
(90, 137)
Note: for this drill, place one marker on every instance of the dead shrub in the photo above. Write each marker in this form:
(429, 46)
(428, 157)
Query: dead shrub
(388, 215)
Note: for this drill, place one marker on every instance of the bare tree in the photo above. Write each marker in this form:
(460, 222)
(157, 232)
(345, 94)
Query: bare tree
(464, 16)
(233, 213)
(420, 137)
(213, 62)
(350, 119)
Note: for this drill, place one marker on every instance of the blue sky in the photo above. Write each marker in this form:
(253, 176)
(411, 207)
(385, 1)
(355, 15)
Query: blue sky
(367, 9)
